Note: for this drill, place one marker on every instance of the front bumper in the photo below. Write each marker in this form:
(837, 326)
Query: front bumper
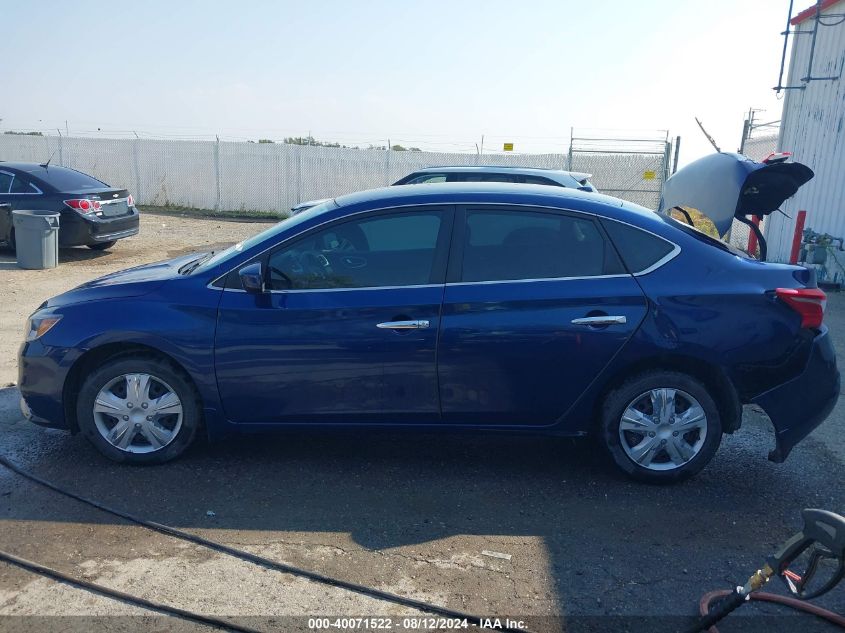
(798, 406)
(78, 230)
(35, 419)
(42, 371)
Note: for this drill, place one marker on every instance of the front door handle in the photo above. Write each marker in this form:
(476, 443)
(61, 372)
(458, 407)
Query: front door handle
(403, 325)
(600, 320)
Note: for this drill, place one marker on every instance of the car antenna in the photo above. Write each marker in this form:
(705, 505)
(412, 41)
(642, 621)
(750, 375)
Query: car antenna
(709, 138)
(47, 164)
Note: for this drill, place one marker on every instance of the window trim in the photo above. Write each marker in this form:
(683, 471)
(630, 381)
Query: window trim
(456, 228)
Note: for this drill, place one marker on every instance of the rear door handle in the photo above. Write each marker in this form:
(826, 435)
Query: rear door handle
(600, 320)
(403, 325)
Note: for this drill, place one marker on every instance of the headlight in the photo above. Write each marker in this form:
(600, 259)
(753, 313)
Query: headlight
(38, 325)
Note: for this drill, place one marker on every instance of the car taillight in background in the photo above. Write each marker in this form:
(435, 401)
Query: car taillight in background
(83, 205)
(808, 302)
(130, 201)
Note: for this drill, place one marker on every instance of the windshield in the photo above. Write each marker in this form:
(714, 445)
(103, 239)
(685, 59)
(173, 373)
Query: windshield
(287, 223)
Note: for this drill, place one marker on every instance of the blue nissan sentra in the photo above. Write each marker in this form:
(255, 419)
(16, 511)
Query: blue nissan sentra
(494, 307)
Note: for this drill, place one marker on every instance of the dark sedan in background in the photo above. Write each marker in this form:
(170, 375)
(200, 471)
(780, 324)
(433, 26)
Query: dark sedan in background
(93, 214)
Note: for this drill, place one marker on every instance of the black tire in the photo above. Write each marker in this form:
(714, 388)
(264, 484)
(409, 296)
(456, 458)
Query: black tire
(160, 370)
(618, 400)
(102, 246)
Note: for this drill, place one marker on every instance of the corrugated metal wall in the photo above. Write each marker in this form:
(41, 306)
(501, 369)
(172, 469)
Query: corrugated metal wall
(813, 129)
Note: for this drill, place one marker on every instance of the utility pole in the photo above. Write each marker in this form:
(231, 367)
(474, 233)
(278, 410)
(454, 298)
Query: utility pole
(481, 151)
(709, 138)
(677, 153)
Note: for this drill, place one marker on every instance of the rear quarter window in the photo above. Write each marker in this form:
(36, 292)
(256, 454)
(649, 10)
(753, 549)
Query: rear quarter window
(639, 249)
(701, 236)
(5, 181)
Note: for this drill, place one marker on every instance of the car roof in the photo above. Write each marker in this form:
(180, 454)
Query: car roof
(474, 193)
(19, 166)
(36, 169)
(485, 169)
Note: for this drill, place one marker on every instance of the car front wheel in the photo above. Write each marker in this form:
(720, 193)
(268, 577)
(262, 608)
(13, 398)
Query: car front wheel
(661, 427)
(138, 410)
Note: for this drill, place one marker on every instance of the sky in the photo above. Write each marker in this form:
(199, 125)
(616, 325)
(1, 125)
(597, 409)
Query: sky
(433, 74)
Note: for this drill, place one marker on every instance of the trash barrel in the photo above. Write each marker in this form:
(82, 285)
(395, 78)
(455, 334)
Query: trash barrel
(36, 238)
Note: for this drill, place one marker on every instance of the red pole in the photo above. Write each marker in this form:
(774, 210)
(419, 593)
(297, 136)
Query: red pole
(796, 238)
(752, 236)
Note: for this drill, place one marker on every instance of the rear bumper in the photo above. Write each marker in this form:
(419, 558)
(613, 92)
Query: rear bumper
(798, 406)
(76, 230)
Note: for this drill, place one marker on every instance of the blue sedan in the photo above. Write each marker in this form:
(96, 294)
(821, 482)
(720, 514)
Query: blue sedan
(486, 307)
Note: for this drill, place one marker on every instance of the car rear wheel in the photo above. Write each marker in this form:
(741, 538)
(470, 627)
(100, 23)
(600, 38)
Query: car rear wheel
(138, 410)
(661, 427)
(102, 246)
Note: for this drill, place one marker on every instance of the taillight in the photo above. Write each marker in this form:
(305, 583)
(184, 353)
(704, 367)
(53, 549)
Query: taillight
(83, 205)
(808, 302)
(130, 201)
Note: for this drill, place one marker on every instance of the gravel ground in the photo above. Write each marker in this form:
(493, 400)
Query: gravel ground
(419, 516)
(161, 237)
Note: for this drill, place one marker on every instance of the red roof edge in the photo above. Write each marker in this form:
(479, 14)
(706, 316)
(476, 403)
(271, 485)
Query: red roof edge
(806, 14)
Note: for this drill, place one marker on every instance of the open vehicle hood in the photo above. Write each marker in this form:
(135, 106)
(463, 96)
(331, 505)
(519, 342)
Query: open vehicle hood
(725, 186)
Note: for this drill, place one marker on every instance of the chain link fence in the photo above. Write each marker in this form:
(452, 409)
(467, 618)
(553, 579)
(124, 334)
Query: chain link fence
(273, 177)
(633, 169)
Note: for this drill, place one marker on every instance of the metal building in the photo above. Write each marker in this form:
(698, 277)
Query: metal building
(813, 129)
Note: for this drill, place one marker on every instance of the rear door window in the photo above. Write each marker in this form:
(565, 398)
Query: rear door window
(486, 177)
(502, 245)
(639, 249)
(426, 179)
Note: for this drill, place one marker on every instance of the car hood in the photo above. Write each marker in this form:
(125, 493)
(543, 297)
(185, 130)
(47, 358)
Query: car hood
(132, 282)
(725, 186)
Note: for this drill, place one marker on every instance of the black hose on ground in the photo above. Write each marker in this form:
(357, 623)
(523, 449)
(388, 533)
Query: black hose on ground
(123, 597)
(369, 592)
(730, 602)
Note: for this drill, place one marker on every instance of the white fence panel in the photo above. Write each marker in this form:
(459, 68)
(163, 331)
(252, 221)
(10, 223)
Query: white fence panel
(255, 176)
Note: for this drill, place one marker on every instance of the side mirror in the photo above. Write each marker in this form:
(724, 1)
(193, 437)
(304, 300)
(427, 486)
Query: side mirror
(252, 279)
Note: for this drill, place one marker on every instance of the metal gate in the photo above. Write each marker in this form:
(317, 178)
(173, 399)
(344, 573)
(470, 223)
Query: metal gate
(633, 169)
